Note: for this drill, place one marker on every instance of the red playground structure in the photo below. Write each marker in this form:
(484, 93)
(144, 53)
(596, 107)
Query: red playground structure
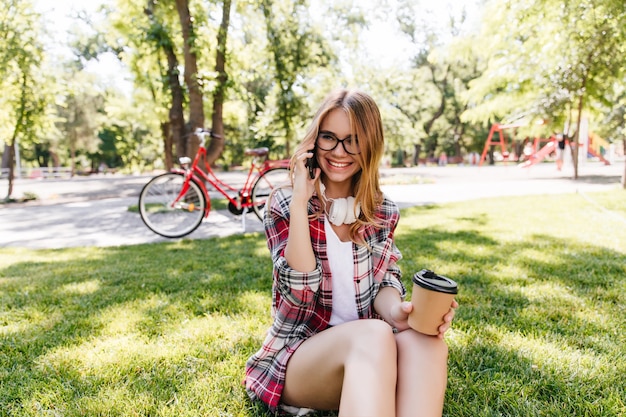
(547, 149)
(500, 140)
(537, 152)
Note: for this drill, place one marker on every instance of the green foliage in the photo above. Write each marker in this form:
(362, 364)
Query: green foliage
(24, 94)
(552, 56)
(294, 47)
(525, 60)
(165, 329)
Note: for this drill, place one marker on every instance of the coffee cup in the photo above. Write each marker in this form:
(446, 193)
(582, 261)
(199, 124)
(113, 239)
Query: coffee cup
(431, 298)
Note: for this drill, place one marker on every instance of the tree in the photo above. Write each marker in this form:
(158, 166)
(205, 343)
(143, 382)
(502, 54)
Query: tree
(173, 130)
(551, 64)
(177, 43)
(194, 91)
(294, 47)
(216, 146)
(80, 109)
(441, 68)
(612, 125)
(24, 101)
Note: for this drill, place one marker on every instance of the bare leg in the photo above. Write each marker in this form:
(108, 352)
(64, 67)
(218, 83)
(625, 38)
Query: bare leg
(350, 367)
(422, 374)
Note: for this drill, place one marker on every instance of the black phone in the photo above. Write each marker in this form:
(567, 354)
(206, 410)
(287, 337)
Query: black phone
(311, 164)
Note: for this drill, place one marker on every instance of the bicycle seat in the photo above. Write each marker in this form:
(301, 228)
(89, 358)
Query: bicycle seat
(257, 152)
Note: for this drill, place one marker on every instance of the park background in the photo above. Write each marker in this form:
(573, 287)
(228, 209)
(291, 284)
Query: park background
(164, 329)
(118, 85)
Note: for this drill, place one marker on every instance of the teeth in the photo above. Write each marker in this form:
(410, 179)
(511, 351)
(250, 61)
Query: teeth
(338, 165)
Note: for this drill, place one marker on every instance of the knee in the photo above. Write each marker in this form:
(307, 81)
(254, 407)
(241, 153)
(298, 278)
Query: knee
(410, 341)
(376, 341)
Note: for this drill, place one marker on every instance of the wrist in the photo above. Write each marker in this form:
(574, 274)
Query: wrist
(298, 204)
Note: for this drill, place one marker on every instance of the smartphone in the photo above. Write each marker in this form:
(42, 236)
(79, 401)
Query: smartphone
(311, 164)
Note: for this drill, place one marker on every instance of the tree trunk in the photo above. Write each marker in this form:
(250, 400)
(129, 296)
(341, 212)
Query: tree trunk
(16, 132)
(176, 113)
(217, 122)
(576, 141)
(196, 109)
(442, 103)
(176, 130)
(624, 175)
(73, 151)
(166, 132)
(11, 176)
(417, 148)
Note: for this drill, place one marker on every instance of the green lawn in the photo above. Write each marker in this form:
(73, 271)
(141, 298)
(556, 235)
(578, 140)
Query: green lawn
(165, 329)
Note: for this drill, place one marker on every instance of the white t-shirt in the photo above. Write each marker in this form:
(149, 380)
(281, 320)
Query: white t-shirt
(341, 263)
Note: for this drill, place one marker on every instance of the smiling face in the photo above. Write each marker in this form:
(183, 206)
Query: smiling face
(338, 166)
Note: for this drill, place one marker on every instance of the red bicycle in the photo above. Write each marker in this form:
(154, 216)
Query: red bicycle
(175, 203)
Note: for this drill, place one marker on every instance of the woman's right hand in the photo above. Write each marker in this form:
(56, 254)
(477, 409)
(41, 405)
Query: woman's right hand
(303, 185)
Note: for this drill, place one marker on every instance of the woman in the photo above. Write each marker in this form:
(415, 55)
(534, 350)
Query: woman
(340, 338)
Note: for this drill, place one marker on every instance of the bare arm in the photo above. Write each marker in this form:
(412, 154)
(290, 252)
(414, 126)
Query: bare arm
(389, 305)
(299, 252)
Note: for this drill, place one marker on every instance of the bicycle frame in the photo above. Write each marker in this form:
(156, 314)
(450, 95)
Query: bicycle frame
(195, 173)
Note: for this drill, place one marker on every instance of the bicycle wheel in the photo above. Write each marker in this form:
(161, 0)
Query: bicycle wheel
(264, 185)
(166, 216)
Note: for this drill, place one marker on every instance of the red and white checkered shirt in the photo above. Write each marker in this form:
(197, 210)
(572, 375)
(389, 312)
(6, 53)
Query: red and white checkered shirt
(302, 301)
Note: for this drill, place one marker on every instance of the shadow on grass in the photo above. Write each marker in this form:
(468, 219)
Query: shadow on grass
(539, 330)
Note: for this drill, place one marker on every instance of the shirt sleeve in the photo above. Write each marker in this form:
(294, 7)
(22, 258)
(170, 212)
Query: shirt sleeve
(297, 287)
(385, 253)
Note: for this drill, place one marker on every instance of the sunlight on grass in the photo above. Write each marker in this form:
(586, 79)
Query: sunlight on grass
(548, 292)
(27, 321)
(165, 329)
(80, 288)
(546, 354)
(256, 302)
(121, 319)
(107, 356)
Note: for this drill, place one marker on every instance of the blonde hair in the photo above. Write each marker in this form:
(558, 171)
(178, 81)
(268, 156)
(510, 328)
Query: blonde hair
(366, 125)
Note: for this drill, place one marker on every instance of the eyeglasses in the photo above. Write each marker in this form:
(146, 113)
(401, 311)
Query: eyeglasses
(327, 141)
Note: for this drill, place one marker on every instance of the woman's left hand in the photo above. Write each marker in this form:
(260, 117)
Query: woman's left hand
(447, 319)
(400, 315)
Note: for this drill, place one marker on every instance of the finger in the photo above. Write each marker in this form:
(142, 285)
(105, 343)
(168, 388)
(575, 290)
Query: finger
(302, 157)
(398, 312)
(449, 316)
(407, 307)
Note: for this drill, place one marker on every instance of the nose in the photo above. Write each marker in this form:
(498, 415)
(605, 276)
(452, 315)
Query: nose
(340, 149)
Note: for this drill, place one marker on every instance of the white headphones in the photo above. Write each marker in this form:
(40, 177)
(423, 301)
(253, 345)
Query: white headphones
(342, 210)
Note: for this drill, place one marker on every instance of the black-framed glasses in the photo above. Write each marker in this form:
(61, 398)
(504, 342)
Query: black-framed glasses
(327, 141)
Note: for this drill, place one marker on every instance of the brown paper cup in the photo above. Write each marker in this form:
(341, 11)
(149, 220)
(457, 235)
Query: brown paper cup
(431, 298)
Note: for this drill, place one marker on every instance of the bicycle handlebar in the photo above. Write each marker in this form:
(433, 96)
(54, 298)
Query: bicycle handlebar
(203, 133)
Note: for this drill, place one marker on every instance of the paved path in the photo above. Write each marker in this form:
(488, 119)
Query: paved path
(93, 211)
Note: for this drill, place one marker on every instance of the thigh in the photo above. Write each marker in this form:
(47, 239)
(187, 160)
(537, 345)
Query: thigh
(315, 372)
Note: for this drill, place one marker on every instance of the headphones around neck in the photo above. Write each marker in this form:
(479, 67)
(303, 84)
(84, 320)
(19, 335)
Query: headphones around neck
(342, 210)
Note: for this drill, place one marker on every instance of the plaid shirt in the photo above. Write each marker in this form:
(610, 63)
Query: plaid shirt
(302, 301)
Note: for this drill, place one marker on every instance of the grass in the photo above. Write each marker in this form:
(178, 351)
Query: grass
(165, 329)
